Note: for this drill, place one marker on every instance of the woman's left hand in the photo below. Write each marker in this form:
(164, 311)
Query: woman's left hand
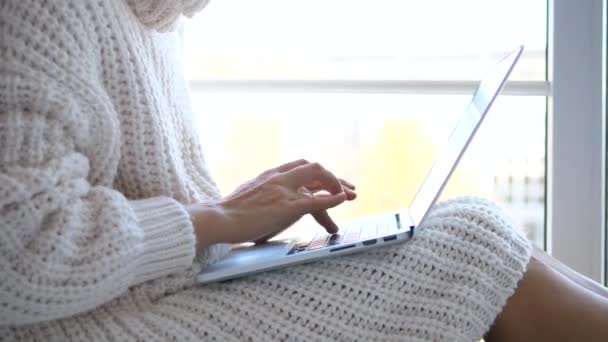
(322, 217)
(270, 203)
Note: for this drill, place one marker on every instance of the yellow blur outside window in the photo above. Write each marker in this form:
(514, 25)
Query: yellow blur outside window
(366, 130)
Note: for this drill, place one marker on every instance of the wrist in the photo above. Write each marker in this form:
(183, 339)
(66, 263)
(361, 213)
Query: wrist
(208, 220)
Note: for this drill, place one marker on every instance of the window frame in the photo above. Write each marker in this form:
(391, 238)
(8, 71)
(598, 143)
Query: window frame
(417, 87)
(576, 176)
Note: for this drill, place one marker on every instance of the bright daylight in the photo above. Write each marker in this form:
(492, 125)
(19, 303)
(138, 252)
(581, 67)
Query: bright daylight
(385, 142)
(281, 170)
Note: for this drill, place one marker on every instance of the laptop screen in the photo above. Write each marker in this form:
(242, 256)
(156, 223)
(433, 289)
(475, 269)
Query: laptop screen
(461, 136)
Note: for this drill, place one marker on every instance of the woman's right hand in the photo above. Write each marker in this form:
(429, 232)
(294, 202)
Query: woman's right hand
(270, 203)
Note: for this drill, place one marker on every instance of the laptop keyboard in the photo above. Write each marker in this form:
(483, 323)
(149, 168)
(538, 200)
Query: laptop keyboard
(346, 235)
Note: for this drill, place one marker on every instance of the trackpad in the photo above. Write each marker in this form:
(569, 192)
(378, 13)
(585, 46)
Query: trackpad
(247, 254)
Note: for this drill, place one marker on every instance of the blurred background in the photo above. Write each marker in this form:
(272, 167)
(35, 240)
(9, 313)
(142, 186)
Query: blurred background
(371, 90)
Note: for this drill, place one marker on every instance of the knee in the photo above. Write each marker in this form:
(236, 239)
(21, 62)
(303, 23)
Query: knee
(475, 224)
(473, 213)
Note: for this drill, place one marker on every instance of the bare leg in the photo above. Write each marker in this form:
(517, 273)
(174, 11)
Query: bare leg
(548, 306)
(569, 273)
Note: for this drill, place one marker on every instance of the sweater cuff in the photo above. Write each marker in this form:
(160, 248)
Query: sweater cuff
(169, 243)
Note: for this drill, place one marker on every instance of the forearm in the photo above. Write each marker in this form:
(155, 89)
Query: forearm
(63, 260)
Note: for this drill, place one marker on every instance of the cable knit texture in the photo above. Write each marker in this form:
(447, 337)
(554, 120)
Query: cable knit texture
(97, 151)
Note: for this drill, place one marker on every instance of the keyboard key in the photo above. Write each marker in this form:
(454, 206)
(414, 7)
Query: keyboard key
(352, 236)
(318, 241)
(303, 243)
(343, 230)
(334, 239)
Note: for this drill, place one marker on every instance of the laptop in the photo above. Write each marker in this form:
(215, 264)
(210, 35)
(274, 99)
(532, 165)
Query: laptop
(377, 231)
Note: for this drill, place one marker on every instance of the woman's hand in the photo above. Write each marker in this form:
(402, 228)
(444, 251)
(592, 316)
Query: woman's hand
(268, 204)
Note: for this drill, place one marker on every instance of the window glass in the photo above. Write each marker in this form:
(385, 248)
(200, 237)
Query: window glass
(384, 143)
(355, 39)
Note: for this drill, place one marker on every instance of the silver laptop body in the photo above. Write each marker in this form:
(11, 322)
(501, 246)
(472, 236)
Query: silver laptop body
(376, 231)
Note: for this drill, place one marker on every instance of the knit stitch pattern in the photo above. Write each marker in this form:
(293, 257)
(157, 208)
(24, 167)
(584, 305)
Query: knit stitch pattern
(447, 284)
(97, 151)
(97, 156)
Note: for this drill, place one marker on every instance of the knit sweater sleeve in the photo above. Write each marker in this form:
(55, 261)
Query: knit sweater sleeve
(68, 241)
(67, 246)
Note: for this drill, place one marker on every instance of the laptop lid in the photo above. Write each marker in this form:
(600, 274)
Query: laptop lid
(461, 136)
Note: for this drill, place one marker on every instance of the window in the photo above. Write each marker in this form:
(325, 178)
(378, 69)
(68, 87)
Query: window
(359, 40)
(576, 141)
(370, 88)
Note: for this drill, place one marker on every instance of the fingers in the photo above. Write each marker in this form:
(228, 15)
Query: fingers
(318, 203)
(350, 195)
(323, 218)
(280, 169)
(291, 165)
(316, 185)
(312, 173)
(346, 186)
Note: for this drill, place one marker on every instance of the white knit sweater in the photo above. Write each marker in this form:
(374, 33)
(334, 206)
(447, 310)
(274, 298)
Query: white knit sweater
(97, 151)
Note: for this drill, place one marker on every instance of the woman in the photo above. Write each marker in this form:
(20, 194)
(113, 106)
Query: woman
(107, 211)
